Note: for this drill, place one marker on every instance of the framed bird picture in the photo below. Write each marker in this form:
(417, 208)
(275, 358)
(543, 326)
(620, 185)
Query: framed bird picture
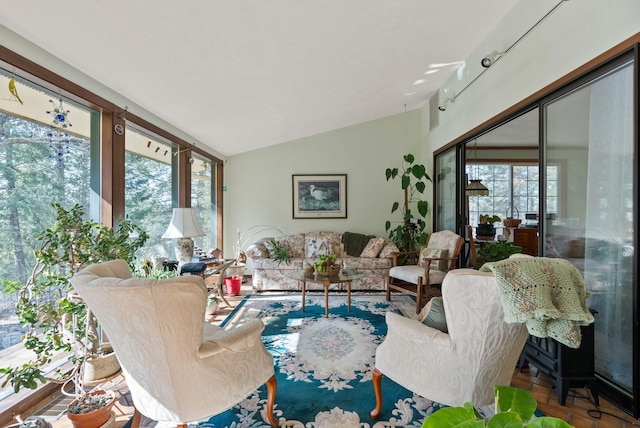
(319, 196)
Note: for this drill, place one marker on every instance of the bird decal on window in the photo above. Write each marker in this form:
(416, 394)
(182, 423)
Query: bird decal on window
(14, 91)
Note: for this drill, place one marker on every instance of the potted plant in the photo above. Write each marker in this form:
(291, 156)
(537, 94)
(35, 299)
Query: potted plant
(514, 407)
(212, 304)
(57, 318)
(409, 235)
(496, 250)
(326, 264)
(485, 225)
(280, 251)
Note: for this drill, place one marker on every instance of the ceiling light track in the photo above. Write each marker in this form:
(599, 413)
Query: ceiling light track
(494, 56)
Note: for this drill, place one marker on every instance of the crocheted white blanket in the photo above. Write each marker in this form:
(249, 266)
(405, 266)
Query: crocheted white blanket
(545, 293)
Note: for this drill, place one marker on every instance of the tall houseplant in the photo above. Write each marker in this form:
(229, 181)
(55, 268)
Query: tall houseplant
(409, 234)
(57, 319)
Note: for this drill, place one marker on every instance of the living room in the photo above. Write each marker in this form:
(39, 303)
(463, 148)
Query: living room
(258, 183)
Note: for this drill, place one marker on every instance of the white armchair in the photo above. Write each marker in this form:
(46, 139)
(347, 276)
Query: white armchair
(479, 351)
(178, 368)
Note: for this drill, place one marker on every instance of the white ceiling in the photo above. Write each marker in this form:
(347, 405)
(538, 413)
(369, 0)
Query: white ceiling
(244, 74)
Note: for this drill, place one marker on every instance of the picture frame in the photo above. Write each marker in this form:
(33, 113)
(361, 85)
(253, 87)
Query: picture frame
(319, 196)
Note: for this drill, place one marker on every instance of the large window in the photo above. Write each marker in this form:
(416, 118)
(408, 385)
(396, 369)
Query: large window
(514, 190)
(41, 163)
(201, 192)
(148, 191)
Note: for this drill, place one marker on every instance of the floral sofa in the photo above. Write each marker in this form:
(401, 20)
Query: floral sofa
(374, 260)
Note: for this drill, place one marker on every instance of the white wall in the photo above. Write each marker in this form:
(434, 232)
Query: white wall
(577, 32)
(259, 183)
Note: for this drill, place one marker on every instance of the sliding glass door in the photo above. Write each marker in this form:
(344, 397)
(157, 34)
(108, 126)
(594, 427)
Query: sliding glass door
(445, 194)
(589, 155)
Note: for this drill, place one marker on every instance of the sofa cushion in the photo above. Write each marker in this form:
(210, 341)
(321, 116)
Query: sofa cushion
(433, 315)
(258, 250)
(354, 243)
(373, 248)
(317, 246)
(317, 243)
(296, 242)
(388, 249)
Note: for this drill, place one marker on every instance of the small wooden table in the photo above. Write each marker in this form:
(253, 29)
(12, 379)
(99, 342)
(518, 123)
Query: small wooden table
(326, 281)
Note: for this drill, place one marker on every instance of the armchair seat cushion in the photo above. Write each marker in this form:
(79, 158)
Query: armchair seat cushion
(411, 273)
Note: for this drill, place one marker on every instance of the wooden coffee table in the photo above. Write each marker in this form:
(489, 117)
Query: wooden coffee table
(326, 281)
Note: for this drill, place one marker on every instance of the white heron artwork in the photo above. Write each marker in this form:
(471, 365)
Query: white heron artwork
(323, 196)
(317, 196)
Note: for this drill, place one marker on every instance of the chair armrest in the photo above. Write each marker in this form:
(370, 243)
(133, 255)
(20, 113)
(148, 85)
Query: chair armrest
(428, 260)
(238, 339)
(415, 331)
(397, 254)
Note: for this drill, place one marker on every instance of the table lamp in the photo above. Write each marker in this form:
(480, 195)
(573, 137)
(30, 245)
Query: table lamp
(183, 227)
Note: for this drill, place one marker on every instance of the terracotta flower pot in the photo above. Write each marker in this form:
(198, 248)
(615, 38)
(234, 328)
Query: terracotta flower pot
(96, 418)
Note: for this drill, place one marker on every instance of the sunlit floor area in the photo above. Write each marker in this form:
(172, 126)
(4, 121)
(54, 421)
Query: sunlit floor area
(579, 410)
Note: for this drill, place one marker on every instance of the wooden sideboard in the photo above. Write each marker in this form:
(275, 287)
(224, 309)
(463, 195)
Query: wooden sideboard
(527, 238)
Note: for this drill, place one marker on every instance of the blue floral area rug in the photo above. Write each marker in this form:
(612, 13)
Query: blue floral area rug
(324, 365)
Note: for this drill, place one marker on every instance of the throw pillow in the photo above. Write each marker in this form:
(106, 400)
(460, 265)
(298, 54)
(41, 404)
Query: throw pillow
(318, 246)
(388, 249)
(433, 315)
(373, 248)
(435, 253)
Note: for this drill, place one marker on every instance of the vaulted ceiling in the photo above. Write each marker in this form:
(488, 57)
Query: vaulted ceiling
(241, 75)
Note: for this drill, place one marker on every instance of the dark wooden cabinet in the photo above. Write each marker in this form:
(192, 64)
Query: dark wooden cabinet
(571, 368)
(527, 238)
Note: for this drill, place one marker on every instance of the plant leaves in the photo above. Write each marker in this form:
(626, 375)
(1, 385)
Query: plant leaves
(423, 208)
(406, 181)
(420, 186)
(418, 171)
(409, 158)
(395, 206)
(505, 420)
(515, 400)
(548, 422)
(458, 417)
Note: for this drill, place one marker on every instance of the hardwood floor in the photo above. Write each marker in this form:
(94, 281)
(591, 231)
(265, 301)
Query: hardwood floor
(579, 411)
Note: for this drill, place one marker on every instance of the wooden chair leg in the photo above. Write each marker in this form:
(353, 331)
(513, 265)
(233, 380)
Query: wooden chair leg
(182, 425)
(419, 295)
(389, 281)
(272, 386)
(377, 388)
(137, 417)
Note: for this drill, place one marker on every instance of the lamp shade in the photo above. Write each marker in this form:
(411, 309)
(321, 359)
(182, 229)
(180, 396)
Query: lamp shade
(476, 188)
(183, 224)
